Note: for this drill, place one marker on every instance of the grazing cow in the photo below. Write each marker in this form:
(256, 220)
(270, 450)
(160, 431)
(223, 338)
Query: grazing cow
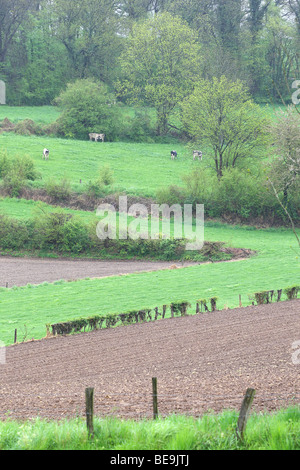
(46, 154)
(197, 154)
(173, 154)
(95, 136)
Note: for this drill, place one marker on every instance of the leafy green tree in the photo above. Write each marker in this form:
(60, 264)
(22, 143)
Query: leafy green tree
(257, 11)
(280, 55)
(87, 106)
(222, 116)
(229, 16)
(88, 29)
(160, 65)
(191, 10)
(284, 176)
(256, 14)
(136, 9)
(47, 69)
(294, 7)
(285, 173)
(13, 13)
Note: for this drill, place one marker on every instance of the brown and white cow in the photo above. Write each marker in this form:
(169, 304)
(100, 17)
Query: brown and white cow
(197, 154)
(95, 136)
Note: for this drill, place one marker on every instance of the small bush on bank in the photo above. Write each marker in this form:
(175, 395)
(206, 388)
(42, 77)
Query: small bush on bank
(15, 172)
(14, 182)
(61, 232)
(14, 234)
(28, 127)
(20, 163)
(5, 164)
(238, 194)
(171, 195)
(97, 188)
(58, 190)
(106, 176)
(94, 189)
(75, 237)
(26, 166)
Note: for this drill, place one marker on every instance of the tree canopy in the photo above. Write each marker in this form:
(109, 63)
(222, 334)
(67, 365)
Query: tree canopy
(44, 44)
(160, 64)
(222, 116)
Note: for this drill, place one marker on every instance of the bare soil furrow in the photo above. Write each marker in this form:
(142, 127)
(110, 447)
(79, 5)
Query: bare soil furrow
(202, 362)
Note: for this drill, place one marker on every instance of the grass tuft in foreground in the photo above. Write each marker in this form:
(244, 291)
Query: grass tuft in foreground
(278, 431)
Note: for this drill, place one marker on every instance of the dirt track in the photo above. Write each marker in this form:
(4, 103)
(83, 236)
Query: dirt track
(201, 362)
(21, 271)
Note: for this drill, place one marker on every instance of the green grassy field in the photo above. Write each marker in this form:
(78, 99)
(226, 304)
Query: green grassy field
(38, 114)
(275, 266)
(141, 169)
(277, 431)
(27, 209)
(138, 168)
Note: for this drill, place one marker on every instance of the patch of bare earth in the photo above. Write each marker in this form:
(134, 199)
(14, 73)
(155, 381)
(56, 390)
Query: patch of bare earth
(202, 362)
(23, 271)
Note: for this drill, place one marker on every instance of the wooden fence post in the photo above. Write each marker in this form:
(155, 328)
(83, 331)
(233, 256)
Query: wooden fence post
(89, 406)
(172, 311)
(154, 396)
(244, 412)
(16, 332)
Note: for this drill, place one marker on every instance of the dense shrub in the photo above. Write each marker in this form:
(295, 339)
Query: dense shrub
(5, 164)
(239, 193)
(64, 233)
(15, 172)
(14, 182)
(60, 232)
(49, 232)
(200, 186)
(58, 190)
(14, 234)
(75, 237)
(137, 128)
(22, 164)
(25, 166)
(171, 195)
(97, 188)
(87, 106)
(106, 176)
(165, 249)
(94, 189)
(52, 129)
(28, 127)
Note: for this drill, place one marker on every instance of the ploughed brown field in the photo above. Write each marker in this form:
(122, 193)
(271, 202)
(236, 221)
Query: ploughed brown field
(202, 362)
(21, 271)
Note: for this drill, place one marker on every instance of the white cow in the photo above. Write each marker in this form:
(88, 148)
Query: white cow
(46, 154)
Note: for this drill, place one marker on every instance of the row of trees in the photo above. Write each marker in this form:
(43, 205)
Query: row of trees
(46, 43)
